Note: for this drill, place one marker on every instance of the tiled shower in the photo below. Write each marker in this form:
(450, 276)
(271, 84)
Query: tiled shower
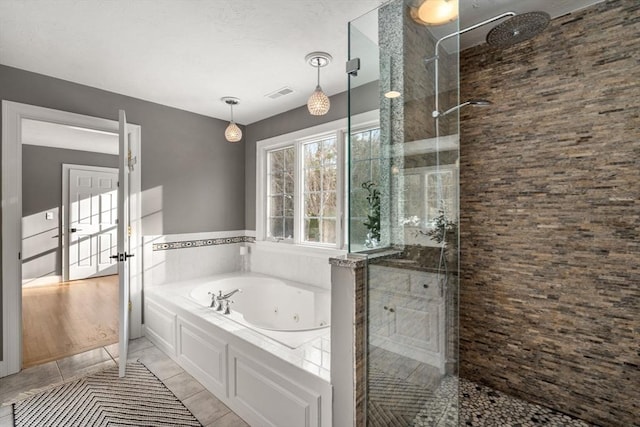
(532, 302)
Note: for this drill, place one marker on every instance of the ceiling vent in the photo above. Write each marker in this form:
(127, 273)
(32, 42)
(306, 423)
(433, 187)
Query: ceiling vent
(280, 92)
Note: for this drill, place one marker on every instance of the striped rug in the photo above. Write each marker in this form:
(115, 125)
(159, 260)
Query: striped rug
(104, 399)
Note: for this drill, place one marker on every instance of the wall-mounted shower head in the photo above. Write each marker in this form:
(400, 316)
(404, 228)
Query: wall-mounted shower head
(518, 29)
(472, 102)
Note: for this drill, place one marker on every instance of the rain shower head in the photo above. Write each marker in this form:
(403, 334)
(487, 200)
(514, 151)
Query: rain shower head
(518, 29)
(472, 102)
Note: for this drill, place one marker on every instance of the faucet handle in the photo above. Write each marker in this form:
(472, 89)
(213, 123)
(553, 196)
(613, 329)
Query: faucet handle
(227, 309)
(213, 299)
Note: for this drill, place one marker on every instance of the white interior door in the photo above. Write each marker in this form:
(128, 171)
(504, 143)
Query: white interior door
(92, 225)
(123, 240)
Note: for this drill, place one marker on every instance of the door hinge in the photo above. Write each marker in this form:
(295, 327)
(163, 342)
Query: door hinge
(352, 66)
(131, 161)
(130, 306)
(129, 231)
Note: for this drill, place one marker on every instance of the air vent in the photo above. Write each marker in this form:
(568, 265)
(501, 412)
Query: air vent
(280, 92)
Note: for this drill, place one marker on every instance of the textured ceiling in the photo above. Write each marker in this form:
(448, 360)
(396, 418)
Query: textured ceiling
(189, 54)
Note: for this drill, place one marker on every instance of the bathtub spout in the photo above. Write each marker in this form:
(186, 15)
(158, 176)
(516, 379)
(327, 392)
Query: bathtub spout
(228, 295)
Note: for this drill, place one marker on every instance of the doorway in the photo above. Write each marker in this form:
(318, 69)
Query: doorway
(90, 203)
(68, 318)
(14, 114)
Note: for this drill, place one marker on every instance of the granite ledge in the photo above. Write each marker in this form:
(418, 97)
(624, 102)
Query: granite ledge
(349, 261)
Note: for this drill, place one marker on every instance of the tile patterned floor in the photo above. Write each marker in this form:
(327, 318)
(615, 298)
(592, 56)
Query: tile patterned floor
(210, 411)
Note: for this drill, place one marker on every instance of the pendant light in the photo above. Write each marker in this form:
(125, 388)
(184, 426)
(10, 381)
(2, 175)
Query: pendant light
(318, 103)
(233, 133)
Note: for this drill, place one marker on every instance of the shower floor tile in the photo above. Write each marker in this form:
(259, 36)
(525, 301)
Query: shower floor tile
(480, 406)
(483, 406)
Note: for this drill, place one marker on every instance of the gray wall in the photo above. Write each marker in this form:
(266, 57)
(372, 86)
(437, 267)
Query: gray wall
(42, 192)
(192, 179)
(364, 98)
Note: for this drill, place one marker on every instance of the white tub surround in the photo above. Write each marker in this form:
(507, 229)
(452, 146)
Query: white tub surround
(305, 264)
(265, 382)
(175, 257)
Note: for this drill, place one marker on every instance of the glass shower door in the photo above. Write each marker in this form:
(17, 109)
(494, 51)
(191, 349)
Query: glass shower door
(403, 215)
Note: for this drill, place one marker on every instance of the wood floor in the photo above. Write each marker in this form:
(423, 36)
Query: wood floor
(68, 318)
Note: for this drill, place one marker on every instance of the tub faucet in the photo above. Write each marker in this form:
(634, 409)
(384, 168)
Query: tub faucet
(214, 300)
(221, 297)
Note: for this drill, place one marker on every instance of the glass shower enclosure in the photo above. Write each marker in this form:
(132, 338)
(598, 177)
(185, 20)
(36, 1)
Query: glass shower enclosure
(403, 216)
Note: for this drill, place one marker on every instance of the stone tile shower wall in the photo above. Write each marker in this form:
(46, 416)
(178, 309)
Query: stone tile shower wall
(550, 216)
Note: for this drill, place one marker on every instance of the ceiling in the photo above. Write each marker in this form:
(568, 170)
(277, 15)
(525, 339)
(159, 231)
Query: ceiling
(189, 54)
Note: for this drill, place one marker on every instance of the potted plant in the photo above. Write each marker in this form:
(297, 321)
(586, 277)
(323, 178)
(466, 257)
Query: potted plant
(373, 217)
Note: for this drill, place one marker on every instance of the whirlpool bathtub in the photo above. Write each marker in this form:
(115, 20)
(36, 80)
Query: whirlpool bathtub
(268, 303)
(268, 359)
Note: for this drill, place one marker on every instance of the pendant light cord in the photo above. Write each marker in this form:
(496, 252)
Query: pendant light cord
(318, 66)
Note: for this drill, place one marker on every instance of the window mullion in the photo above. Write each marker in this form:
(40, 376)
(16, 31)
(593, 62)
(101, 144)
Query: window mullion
(340, 214)
(298, 188)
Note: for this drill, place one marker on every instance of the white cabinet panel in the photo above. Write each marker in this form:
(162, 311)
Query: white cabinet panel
(419, 328)
(160, 326)
(203, 356)
(406, 313)
(266, 398)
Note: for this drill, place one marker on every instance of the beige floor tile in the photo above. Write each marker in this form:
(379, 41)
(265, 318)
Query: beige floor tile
(157, 362)
(183, 385)
(229, 420)
(84, 363)
(139, 344)
(113, 350)
(134, 346)
(5, 410)
(206, 407)
(6, 421)
(29, 379)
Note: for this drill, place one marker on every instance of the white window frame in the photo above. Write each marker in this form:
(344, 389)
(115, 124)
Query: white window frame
(337, 129)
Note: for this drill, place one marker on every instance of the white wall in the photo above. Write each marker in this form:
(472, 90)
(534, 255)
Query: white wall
(171, 265)
(290, 262)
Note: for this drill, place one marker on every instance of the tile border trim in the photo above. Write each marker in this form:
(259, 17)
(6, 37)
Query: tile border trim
(185, 244)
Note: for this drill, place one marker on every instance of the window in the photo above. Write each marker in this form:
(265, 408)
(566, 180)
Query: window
(280, 197)
(430, 192)
(300, 195)
(366, 163)
(319, 194)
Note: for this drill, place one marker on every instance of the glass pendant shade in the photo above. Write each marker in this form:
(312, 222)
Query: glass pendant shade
(318, 103)
(437, 12)
(233, 133)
